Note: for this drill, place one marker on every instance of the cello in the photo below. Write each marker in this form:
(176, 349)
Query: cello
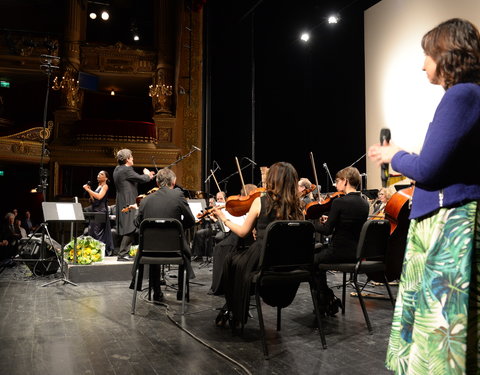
(396, 211)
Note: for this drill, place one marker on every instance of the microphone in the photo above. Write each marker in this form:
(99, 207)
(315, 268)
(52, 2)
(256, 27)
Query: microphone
(385, 136)
(250, 160)
(196, 148)
(89, 183)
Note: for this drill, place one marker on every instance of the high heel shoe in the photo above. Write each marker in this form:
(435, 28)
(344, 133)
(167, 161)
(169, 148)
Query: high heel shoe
(222, 318)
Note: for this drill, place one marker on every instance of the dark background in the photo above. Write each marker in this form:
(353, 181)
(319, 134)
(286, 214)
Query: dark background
(309, 97)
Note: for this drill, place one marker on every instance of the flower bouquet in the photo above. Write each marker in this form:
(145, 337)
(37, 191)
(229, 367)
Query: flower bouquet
(133, 250)
(88, 250)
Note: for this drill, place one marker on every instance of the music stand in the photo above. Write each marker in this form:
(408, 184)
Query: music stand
(62, 213)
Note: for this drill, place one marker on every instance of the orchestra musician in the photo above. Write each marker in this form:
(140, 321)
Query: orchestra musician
(99, 197)
(166, 202)
(227, 241)
(378, 206)
(344, 222)
(437, 300)
(126, 181)
(279, 202)
(304, 184)
(203, 237)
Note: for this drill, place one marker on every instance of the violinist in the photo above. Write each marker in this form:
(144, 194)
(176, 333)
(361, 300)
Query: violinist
(344, 223)
(227, 241)
(126, 181)
(166, 202)
(305, 190)
(202, 240)
(279, 202)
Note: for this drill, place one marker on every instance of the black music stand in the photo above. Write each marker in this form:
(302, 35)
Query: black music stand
(62, 213)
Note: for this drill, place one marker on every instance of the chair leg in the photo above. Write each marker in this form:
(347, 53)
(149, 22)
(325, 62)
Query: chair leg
(260, 321)
(389, 291)
(344, 292)
(184, 290)
(362, 304)
(279, 318)
(135, 292)
(317, 314)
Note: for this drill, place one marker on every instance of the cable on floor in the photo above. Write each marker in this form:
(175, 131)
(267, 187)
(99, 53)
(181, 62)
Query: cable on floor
(198, 339)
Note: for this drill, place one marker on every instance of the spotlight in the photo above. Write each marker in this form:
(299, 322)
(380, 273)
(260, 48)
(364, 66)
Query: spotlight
(112, 93)
(105, 15)
(333, 19)
(305, 37)
(93, 15)
(136, 38)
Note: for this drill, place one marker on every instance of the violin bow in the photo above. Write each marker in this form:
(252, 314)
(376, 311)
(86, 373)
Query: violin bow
(215, 179)
(315, 174)
(241, 176)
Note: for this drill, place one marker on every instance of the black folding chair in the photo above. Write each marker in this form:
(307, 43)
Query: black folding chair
(371, 252)
(160, 243)
(286, 258)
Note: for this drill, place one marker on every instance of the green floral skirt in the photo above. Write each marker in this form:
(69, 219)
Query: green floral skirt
(435, 323)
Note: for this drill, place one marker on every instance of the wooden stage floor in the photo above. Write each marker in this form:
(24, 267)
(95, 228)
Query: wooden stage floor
(88, 329)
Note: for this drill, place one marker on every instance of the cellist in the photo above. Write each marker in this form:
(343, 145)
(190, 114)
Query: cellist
(344, 222)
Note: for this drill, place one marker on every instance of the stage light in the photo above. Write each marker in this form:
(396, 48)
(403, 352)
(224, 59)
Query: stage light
(93, 15)
(136, 38)
(305, 37)
(112, 93)
(333, 19)
(105, 15)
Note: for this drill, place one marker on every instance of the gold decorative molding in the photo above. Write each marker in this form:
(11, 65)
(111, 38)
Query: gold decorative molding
(33, 135)
(118, 58)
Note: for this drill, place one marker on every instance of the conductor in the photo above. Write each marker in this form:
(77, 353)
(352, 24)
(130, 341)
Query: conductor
(126, 181)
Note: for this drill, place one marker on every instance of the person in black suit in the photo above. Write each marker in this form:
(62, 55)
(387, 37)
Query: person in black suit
(126, 181)
(344, 223)
(166, 202)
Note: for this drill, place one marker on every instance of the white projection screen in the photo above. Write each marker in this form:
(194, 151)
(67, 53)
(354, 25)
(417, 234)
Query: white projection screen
(397, 93)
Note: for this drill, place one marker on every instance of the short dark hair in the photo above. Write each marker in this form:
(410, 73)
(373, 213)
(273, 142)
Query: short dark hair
(454, 45)
(351, 174)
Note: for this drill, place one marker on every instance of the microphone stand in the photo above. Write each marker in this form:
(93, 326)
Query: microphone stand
(234, 173)
(356, 161)
(181, 158)
(328, 173)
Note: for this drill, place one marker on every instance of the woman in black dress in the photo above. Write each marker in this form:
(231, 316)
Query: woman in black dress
(279, 202)
(99, 198)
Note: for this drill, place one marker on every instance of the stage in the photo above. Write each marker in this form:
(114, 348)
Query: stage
(89, 329)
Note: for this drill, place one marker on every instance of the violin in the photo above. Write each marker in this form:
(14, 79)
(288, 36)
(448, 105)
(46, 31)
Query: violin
(239, 205)
(316, 209)
(208, 212)
(138, 200)
(308, 191)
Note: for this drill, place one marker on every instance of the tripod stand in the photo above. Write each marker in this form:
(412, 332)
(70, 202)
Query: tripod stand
(64, 213)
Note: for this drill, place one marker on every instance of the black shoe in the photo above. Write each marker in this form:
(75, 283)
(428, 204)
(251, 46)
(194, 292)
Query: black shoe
(158, 298)
(123, 259)
(222, 318)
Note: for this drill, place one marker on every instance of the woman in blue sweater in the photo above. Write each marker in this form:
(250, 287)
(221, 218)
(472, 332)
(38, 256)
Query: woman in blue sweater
(435, 324)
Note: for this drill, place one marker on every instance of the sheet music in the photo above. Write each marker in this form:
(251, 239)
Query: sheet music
(65, 211)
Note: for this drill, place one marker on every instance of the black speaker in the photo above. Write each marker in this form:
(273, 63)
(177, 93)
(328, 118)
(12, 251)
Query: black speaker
(39, 262)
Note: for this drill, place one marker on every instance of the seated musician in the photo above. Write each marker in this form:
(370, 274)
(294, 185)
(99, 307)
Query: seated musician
(202, 240)
(166, 202)
(378, 207)
(305, 190)
(344, 222)
(228, 243)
